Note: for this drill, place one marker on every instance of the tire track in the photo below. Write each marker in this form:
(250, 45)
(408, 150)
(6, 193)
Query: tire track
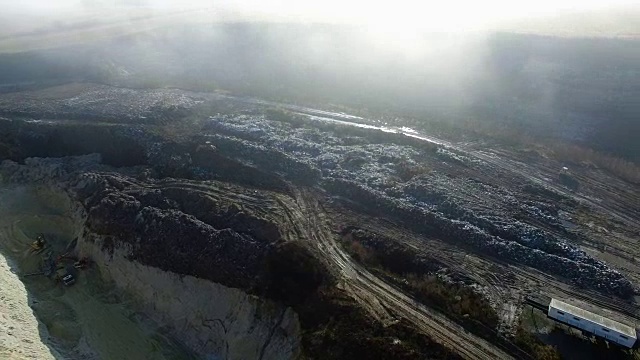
(384, 301)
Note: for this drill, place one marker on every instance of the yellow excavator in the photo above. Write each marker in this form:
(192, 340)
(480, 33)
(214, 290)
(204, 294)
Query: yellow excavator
(38, 245)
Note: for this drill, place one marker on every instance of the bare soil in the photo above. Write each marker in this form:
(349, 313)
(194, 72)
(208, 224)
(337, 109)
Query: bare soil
(501, 221)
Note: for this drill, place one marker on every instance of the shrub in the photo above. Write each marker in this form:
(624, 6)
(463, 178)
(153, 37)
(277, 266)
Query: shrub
(407, 170)
(285, 116)
(626, 170)
(569, 181)
(362, 254)
(455, 299)
(535, 347)
(293, 273)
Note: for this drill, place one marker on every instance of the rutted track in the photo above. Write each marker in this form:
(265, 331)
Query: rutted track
(499, 162)
(385, 302)
(299, 215)
(308, 219)
(382, 299)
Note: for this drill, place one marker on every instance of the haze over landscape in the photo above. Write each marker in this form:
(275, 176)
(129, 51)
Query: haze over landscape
(317, 180)
(392, 17)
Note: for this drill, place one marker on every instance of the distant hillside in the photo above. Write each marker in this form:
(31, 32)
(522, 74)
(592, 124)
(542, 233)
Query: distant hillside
(581, 89)
(618, 22)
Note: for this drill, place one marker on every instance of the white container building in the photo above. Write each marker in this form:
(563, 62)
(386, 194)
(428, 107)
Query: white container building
(611, 330)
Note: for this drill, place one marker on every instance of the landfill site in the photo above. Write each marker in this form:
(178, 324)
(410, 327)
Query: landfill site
(204, 225)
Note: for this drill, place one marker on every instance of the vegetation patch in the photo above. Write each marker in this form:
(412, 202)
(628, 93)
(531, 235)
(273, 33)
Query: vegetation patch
(285, 116)
(569, 181)
(294, 274)
(452, 298)
(407, 169)
(534, 346)
(336, 327)
(459, 301)
(621, 168)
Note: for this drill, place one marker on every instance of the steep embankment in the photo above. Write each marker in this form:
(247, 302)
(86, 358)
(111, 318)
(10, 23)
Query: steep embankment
(217, 224)
(91, 320)
(210, 318)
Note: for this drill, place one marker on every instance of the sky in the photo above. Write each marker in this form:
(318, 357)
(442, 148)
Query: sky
(396, 11)
(395, 18)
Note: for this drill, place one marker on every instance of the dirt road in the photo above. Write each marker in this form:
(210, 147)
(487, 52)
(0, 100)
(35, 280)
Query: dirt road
(383, 300)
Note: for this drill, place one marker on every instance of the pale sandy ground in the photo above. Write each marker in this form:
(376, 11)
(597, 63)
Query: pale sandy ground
(86, 321)
(19, 333)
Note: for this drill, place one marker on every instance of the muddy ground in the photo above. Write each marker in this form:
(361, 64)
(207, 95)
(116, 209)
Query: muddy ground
(274, 190)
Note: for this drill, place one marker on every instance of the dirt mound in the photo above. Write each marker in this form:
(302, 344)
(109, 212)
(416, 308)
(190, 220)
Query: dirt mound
(256, 199)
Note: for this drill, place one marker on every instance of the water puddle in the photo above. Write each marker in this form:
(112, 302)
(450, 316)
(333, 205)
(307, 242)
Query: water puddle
(88, 320)
(409, 132)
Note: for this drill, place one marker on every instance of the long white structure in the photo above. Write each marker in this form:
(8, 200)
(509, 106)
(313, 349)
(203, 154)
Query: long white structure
(598, 325)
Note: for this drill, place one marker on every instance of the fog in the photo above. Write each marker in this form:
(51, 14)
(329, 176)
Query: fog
(552, 68)
(400, 20)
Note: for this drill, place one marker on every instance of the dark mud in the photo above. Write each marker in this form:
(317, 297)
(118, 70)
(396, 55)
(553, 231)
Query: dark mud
(224, 195)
